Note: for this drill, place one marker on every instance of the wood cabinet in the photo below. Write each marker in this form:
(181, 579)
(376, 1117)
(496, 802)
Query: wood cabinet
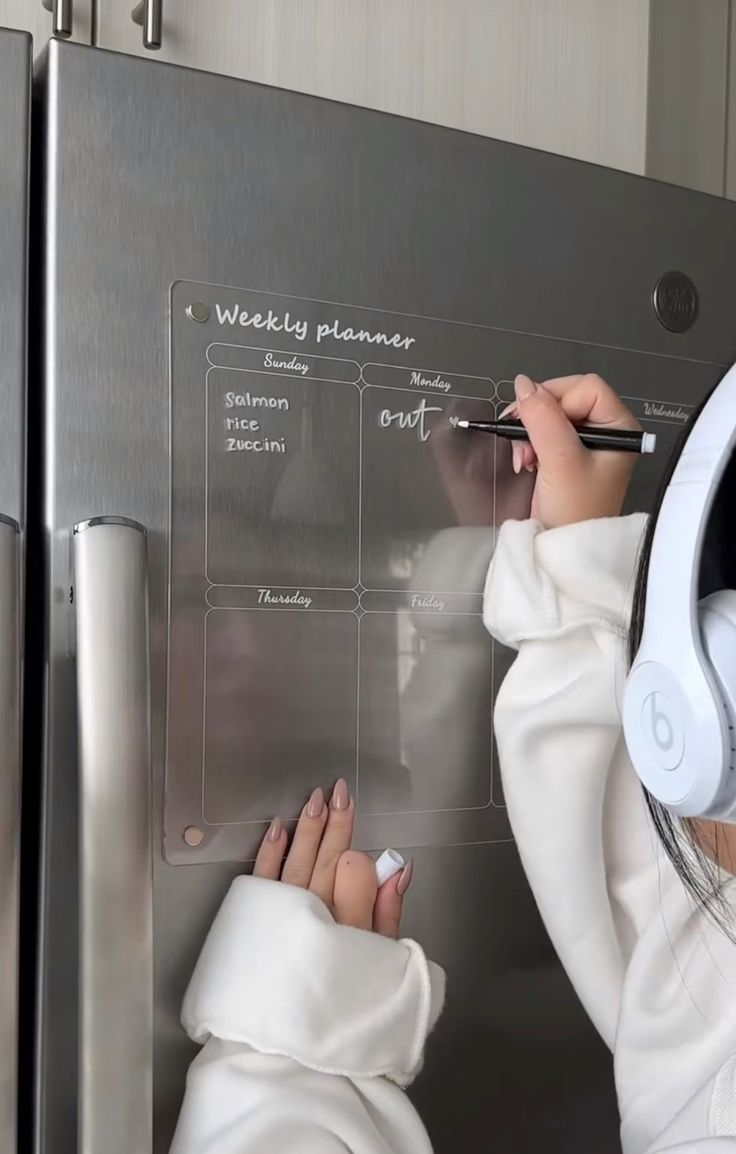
(569, 76)
(31, 16)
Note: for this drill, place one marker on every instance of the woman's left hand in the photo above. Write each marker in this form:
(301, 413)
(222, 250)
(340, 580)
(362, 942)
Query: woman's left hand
(320, 859)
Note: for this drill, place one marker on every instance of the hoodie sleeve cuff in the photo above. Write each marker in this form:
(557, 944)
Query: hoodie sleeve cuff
(278, 974)
(546, 583)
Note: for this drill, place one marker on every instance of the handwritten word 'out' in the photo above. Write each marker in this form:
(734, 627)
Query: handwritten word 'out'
(412, 420)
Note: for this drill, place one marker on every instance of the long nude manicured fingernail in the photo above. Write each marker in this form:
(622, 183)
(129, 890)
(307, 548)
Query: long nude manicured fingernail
(316, 803)
(528, 457)
(274, 830)
(509, 410)
(517, 455)
(405, 877)
(524, 387)
(340, 795)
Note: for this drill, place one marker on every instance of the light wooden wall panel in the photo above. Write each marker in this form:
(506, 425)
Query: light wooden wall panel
(565, 75)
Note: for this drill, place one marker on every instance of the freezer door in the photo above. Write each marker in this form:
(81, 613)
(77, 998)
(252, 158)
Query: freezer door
(15, 80)
(260, 309)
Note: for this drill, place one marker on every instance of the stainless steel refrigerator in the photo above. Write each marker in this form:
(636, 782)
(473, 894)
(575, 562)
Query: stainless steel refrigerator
(15, 108)
(257, 554)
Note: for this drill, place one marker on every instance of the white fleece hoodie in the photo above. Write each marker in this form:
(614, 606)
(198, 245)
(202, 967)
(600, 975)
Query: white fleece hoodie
(310, 1029)
(656, 976)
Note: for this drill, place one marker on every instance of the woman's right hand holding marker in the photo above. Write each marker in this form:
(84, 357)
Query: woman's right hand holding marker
(573, 483)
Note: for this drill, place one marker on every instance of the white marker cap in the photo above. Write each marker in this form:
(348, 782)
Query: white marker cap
(648, 442)
(388, 865)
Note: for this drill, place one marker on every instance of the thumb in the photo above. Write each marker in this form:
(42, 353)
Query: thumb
(552, 436)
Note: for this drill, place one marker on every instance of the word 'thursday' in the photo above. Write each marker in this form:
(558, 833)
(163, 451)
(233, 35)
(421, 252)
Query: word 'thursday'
(274, 322)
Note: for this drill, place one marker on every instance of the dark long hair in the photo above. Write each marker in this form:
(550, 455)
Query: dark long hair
(680, 837)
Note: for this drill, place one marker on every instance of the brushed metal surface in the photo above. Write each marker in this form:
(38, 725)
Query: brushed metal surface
(115, 877)
(10, 629)
(15, 93)
(156, 174)
(15, 102)
(730, 117)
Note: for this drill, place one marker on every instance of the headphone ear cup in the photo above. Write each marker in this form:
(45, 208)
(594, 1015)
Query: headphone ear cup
(717, 621)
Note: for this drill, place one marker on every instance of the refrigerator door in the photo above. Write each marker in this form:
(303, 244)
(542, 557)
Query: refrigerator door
(260, 309)
(15, 89)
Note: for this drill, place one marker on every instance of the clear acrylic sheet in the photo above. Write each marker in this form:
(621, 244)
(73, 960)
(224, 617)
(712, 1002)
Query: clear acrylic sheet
(330, 538)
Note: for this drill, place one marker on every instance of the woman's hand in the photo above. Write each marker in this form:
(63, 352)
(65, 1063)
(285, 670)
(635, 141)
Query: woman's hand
(573, 483)
(320, 859)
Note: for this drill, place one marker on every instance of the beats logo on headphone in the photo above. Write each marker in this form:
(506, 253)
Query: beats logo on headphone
(679, 708)
(665, 731)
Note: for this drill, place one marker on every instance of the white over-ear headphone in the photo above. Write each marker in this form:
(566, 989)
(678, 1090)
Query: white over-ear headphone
(679, 709)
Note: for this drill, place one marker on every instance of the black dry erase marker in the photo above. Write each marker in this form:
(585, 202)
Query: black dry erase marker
(615, 440)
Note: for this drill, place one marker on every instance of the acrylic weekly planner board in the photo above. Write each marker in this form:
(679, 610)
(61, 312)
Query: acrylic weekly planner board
(330, 536)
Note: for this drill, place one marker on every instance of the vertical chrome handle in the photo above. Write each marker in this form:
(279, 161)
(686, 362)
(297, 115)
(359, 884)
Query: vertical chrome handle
(116, 961)
(62, 12)
(9, 823)
(149, 13)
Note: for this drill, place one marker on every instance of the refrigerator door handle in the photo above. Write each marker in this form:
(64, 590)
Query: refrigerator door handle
(62, 12)
(116, 940)
(10, 722)
(149, 14)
